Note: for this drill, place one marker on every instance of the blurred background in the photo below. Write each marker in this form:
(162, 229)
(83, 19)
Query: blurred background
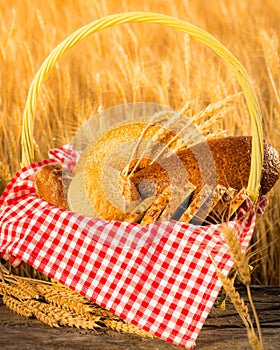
(141, 63)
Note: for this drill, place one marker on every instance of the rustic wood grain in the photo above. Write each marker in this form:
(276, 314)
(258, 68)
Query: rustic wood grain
(222, 330)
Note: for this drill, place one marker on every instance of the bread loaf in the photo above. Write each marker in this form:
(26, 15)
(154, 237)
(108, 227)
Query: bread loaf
(106, 160)
(229, 166)
(112, 178)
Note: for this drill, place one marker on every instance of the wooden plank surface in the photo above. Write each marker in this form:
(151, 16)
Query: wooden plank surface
(222, 330)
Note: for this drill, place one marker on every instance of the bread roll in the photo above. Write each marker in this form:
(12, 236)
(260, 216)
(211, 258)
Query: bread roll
(49, 186)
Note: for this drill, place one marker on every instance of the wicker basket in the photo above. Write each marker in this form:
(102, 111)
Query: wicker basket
(177, 24)
(205, 38)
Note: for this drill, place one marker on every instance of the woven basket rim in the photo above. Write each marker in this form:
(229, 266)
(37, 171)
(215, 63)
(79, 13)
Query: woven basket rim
(172, 22)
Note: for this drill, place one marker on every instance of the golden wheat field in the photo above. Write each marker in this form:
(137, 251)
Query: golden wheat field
(141, 63)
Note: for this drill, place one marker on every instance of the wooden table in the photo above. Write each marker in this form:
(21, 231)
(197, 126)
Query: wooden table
(222, 330)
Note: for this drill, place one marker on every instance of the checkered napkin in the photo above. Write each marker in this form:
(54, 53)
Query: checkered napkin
(160, 277)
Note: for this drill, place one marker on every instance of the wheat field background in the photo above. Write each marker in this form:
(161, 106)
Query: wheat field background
(136, 63)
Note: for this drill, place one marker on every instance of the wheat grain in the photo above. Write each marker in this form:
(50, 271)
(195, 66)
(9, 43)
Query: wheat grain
(166, 71)
(66, 92)
(236, 299)
(28, 289)
(75, 321)
(16, 292)
(124, 327)
(53, 292)
(187, 61)
(41, 312)
(55, 316)
(214, 110)
(5, 174)
(3, 286)
(240, 258)
(30, 59)
(17, 306)
(96, 310)
(68, 303)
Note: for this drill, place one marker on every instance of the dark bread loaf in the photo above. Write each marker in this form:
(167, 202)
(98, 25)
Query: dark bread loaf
(225, 161)
(232, 158)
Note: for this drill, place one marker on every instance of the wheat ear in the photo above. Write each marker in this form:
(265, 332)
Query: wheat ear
(243, 268)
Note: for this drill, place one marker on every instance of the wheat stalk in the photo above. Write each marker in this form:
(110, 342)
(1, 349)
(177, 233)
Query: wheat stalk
(213, 111)
(270, 46)
(236, 299)
(57, 305)
(239, 304)
(103, 313)
(29, 289)
(243, 269)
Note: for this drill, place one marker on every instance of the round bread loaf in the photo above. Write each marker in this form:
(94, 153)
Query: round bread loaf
(108, 157)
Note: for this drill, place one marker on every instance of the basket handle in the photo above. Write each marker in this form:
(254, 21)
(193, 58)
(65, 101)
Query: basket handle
(171, 22)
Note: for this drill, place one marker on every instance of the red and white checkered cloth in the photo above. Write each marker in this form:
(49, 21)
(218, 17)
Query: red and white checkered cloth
(159, 277)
